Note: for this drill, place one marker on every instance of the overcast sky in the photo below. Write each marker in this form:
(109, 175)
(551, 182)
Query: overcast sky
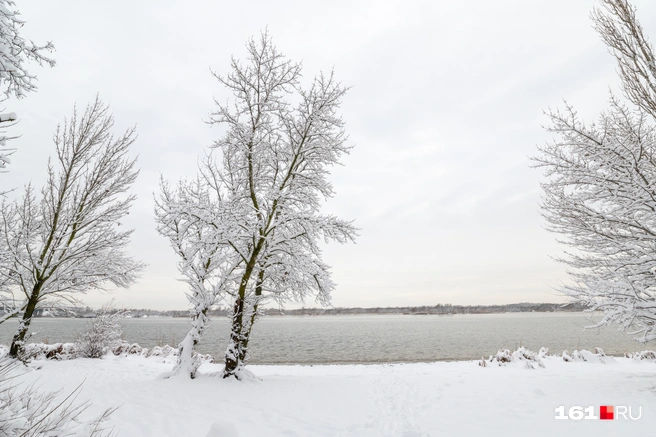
(444, 111)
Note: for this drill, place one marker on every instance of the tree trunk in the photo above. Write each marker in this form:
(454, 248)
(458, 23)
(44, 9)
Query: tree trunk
(188, 363)
(234, 354)
(19, 337)
(247, 336)
(240, 333)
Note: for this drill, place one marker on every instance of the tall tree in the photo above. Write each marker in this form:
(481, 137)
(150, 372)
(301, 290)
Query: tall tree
(600, 192)
(251, 218)
(68, 239)
(15, 79)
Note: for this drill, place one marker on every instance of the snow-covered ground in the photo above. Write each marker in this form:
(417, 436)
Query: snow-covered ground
(435, 399)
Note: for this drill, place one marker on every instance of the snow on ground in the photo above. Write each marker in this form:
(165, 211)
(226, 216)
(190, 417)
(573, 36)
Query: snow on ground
(400, 400)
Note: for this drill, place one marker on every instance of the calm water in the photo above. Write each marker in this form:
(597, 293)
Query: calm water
(365, 338)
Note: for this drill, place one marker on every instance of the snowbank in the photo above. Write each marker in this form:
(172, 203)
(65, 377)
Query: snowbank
(427, 399)
(70, 351)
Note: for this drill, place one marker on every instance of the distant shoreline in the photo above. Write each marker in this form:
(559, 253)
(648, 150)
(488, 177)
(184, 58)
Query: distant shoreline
(439, 309)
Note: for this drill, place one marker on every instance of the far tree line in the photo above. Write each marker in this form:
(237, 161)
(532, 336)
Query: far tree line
(439, 309)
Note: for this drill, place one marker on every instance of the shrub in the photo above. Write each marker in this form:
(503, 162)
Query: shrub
(102, 334)
(31, 413)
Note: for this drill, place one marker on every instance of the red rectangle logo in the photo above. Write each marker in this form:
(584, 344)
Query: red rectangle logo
(606, 412)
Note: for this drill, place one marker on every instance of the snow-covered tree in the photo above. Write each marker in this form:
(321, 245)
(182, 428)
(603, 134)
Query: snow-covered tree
(600, 193)
(67, 238)
(102, 333)
(16, 53)
(247, 230)
(207, 268)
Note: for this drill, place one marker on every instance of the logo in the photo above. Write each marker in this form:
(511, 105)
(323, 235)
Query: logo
(606, 412)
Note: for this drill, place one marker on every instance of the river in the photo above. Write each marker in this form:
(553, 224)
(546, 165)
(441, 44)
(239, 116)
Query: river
(364, 338)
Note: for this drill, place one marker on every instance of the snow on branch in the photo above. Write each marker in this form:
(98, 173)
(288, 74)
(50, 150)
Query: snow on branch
(16, 52)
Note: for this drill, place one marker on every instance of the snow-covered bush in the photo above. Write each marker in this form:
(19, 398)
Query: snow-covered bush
(30, 413)
(124, 348)
(643, 355)
(56, 351)
(530, 358)
(70, 351)
(598, 356)
(504, 356)
(103, 333)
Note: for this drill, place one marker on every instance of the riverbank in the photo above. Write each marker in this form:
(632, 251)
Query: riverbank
(412, 400)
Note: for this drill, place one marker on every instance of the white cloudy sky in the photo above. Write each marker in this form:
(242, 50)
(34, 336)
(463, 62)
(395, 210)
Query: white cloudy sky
(445, 109)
